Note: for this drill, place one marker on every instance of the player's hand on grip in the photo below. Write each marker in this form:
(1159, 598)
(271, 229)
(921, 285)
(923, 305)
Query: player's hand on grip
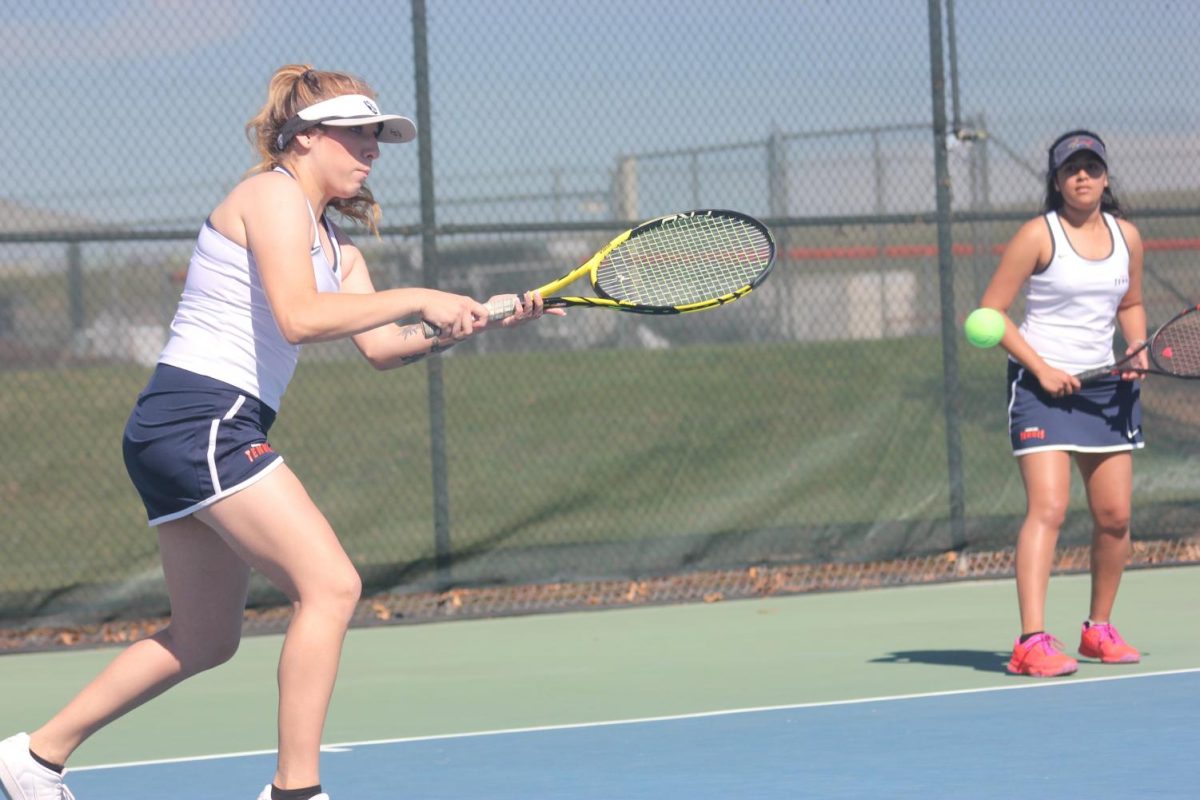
(1141, 361)
(453, 316)
(1057, 383)
(527, 306)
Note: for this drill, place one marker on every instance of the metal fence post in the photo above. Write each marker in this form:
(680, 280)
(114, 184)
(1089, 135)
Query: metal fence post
(443, 550)
(952, 401)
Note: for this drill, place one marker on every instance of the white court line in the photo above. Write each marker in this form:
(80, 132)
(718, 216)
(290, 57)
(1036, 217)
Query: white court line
(343, 746)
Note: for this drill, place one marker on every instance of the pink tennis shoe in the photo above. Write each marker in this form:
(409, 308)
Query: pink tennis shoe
(1103, 642)
(1041, 656)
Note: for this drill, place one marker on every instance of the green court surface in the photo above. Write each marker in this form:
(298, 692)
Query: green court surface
(524, 672)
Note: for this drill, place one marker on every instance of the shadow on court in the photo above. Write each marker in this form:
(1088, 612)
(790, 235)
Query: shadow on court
(979, 660)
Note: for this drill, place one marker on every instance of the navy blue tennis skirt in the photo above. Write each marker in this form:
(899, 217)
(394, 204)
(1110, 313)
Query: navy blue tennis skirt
(1102, 417)
(192, 440)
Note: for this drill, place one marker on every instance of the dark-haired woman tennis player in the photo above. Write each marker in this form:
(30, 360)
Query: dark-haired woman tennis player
(1081, 265)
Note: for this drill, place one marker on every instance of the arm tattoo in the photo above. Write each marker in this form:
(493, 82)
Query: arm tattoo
(417, 330)
(408, 331)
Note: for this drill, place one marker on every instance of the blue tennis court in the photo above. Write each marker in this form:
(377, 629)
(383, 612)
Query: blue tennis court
(1126, 736)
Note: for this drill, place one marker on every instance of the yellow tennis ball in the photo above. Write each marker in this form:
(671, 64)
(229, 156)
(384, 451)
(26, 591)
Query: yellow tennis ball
(984, 327)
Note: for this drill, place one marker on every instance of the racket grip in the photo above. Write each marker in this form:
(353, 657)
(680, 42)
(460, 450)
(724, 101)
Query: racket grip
(1087, 376)
(498, 309)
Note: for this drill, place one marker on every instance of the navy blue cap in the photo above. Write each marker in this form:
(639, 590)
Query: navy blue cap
(1077, 143)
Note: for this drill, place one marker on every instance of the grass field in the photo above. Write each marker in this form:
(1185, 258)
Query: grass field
(631, 449)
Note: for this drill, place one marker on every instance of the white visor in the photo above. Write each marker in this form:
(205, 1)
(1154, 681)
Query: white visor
(345, 111)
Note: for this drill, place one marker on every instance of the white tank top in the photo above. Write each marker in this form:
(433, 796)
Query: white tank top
(1071, 305)
(224, 328)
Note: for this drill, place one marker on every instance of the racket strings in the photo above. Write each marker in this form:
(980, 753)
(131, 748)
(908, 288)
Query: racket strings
(685, 260)
(1176, 348)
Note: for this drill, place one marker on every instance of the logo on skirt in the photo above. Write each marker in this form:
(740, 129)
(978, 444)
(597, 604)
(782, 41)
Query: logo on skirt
(255, 451)
(1032, 433)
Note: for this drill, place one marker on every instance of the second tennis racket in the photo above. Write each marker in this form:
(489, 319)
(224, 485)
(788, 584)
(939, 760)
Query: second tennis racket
(1174, 350)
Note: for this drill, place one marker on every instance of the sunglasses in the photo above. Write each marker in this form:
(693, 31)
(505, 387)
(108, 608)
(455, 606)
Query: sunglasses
(1094, 169)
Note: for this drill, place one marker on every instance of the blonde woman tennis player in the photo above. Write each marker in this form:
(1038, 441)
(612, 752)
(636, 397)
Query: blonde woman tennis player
(269, 273)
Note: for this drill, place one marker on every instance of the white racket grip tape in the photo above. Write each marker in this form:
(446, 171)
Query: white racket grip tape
(498, 309)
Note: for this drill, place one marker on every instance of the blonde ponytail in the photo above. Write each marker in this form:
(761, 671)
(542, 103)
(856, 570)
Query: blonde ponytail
(292, 88)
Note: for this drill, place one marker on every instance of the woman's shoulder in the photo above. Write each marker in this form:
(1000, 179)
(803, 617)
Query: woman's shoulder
(1127, 227)
(256, 198)
(269, 182)
(1131, 235)
(264, 191)
(1036, 229)
(1031, 247)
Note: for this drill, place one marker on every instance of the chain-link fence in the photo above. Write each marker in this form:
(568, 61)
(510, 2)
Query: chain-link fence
(829, 418)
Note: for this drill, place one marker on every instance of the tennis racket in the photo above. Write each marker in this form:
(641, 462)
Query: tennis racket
(675, 264)
(1174, 350)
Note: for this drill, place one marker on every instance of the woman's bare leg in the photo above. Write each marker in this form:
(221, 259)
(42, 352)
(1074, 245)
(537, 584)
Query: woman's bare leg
(1047, 477)
(277, 529)
(206, 582)
(1109, 481)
